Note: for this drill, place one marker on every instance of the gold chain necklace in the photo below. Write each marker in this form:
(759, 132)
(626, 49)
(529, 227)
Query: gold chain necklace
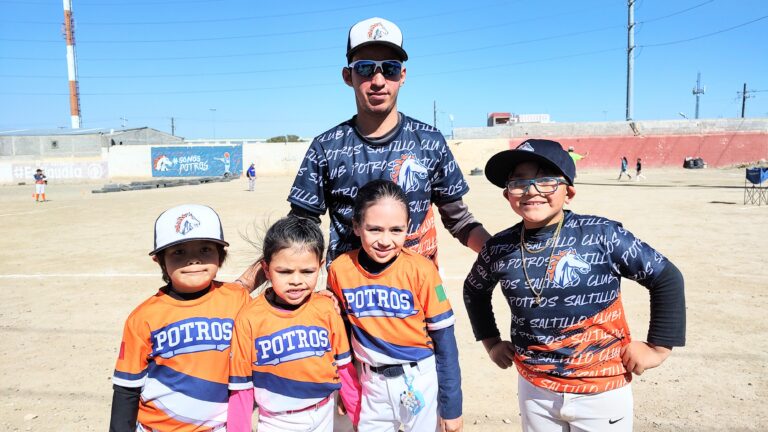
(555, 236)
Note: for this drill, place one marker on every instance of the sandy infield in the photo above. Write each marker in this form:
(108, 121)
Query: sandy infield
(73, 268)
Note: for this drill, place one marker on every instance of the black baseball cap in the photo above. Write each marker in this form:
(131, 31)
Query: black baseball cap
(547, 152)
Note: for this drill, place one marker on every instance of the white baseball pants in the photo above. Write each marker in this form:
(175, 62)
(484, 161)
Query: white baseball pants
(381, 409)
(543, 410)
(318, 419)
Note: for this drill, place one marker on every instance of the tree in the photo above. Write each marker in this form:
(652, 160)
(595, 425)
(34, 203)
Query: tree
(285, 138)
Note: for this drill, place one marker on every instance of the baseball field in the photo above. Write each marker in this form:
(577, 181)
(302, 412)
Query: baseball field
(71, 270)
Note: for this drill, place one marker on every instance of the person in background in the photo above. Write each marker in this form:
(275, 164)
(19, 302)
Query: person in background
(251, 176)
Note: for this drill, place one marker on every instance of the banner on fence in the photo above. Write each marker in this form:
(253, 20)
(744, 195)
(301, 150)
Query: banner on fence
(203, 161)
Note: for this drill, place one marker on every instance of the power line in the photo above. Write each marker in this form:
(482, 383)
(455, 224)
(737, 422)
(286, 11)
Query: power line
(494, 46)
(707, 34)
(676, 13)
(287, 87)
(335, 47)
(210, 20)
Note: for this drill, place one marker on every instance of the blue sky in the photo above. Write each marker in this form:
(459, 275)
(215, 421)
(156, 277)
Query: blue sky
(248, 69)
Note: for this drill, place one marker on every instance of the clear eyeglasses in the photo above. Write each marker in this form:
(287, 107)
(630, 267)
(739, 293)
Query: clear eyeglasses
(544, 185)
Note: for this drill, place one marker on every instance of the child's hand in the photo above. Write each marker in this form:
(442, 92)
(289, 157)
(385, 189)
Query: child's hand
(639, 356)
(452, 425)
(501, 352)
(329, 294)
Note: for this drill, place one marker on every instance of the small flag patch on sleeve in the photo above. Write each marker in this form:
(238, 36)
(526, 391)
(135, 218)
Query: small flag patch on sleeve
(440, 293)
(121, 356)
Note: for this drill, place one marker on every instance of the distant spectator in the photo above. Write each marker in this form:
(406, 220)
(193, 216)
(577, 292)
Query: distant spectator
(639, 169)
(575, 156)
(624, 167)
(40, 181)
(251, 175)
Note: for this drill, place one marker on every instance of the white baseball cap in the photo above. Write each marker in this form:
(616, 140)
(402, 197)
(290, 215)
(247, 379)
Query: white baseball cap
(185, 223)
(375, 31)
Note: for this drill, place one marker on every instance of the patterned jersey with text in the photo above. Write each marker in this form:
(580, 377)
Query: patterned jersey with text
(391, 312)
(571, 342)
(177, 352)
(289, 358)
(339, 162)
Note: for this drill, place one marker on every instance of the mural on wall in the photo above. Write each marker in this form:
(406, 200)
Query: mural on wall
(203, 161)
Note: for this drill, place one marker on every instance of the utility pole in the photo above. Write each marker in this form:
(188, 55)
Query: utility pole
(630, 56)
(698, 90)
(173, 127)
(123, 121)
(434, 114)
(743, 100)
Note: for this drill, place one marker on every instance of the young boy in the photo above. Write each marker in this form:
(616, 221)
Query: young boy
(172, 371)
(560, 273)
(639, 170)
(40, 181)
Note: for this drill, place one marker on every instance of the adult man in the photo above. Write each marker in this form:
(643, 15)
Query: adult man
(381, 143)
(575, 156)
(251, 175)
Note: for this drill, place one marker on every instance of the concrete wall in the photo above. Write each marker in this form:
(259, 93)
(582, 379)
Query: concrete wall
(721, 142)
(601, 129)
(711, 142)
(50, 146)
(269, 159)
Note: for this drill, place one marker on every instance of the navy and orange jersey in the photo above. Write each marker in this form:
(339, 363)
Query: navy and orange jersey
(289, 358)
(177, 352)
(40, 178)
(571, 342)
(391, 312)
(340, 161)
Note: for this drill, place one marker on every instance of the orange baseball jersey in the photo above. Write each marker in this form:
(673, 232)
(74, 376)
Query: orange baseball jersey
(290, 358)
(390, 312)
(178, 353)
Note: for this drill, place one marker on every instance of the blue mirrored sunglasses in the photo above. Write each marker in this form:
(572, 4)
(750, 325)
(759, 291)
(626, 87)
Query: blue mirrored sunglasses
(368, 68)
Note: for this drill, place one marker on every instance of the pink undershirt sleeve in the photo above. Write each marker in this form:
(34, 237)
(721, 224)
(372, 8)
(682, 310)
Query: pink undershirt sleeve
(350, 391)
(240, 410)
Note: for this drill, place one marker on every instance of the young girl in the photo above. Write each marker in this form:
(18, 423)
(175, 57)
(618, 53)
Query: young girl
(172, 370)
(410, 371)
(290, 348)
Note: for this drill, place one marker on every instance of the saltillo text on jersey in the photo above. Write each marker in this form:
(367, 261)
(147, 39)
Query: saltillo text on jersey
(340, 161)
(192, 335)
(379, 301)
(570, 342)
(292, 343)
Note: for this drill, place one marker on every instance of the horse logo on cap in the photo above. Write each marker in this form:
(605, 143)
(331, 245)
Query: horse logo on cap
(377, 31)
(186, 223)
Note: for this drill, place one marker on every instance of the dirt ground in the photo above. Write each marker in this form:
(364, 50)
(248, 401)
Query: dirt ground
(73, 268)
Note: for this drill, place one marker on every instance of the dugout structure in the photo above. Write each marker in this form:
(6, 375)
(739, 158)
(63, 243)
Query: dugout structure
(756, 186)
